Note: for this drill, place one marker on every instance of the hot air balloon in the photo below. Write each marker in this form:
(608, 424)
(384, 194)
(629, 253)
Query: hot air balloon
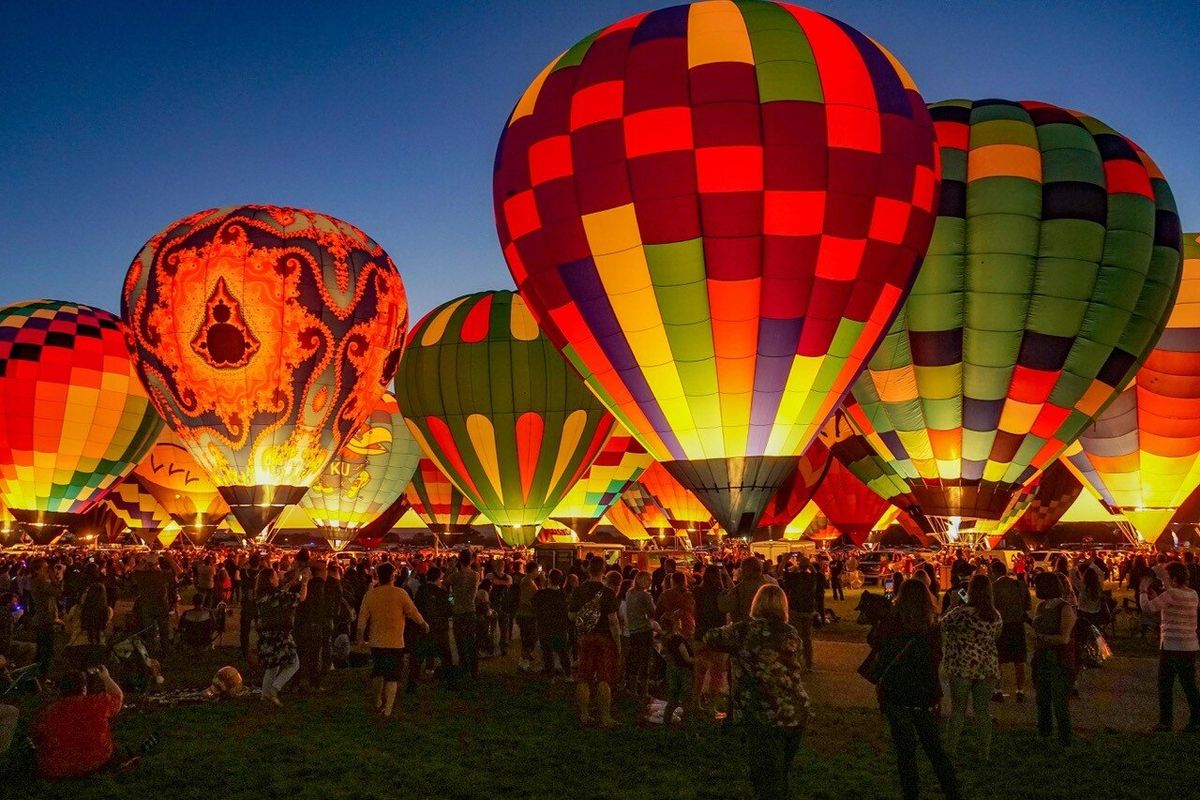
(714, 211)
(796, 491)
(850, 505)
(438, 502)
(1053, 266)
(265, 337)
(74, 419)
(1142, 454)
(8, 526)
(371, 534)
(623, 518)
(367, 477)
(1050, 495)
(498, 409)
(176, 480)
(137, 509)
(682, 508)
(645, 508)
(621, 461)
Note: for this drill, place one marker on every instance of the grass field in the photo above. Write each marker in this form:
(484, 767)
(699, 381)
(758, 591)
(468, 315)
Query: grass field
(513, 735)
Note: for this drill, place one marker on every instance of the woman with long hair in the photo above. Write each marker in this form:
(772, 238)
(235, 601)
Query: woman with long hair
(769, 702)
(906, 651)
(970, 657)
(275, 606)
(1053, 655)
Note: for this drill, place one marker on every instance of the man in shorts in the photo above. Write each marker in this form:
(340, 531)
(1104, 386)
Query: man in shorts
(593, 609)
(1013, 602)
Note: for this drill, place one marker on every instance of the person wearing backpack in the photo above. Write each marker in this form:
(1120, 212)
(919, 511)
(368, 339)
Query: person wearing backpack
(906, 648)
(802, 586)
(593, 608)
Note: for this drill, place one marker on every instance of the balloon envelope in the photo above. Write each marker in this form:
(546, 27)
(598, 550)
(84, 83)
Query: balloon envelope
(74, 419)
(139, 510)
(265, 336)
(369, 474)
(497, 408)
(621, 461)
(182, 488)
(438, 502)
(714, 210)
(1052, 269)
(1142, 453)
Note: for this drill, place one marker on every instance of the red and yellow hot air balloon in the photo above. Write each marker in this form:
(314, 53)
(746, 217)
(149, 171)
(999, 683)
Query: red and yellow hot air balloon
(74, 419)
(265, 336)
(797, 491)
(679, 506)
(850, 505)
(173, 477)
(139, 511)
(621, 461)
(438, 502)
(714, 211)
(489, 399)
(1141, 456)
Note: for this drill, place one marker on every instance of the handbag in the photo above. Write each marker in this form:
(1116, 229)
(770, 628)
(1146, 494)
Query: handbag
(873, 671)
(1094, 649)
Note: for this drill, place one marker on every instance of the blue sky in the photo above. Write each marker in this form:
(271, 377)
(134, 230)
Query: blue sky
(118, 117)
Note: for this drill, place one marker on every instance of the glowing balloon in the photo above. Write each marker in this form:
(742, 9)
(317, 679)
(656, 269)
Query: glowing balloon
(850, 505)
(621, 461)
(622, 517)
(1142, 453)
(438, 502)
(645, 508)
(1052, 270)
(1049, 497)
(797, 490)
(682, 508)
(265, 337)
(176, 480)
(498, 409)
(140, 512)
(714, 210)
(368, 476)
(74, 419)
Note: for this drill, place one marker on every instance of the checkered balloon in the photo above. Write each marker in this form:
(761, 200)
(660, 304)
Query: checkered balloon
(714, 211)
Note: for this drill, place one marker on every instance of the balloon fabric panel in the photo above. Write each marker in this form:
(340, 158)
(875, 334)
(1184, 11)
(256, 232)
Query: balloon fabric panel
(1053, 266)
(74, 418)
(621, 461)
(714, 211)
(173, 477)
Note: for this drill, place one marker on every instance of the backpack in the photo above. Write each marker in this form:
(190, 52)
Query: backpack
(587, 618)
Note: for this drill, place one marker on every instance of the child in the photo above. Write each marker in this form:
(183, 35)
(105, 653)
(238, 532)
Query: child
(680, 664)
(553, 625)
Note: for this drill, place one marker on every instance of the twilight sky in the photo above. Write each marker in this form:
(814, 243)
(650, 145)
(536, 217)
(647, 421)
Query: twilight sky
(117, 118)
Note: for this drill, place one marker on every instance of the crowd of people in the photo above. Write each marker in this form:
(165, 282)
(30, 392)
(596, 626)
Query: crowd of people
(723, 636)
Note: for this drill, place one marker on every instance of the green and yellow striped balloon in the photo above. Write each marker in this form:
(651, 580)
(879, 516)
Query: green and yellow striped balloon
(498, 410)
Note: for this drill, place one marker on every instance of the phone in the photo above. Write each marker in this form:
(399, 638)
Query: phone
(962, 594)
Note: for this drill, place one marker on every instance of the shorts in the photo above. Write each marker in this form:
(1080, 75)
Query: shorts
(598, 660)
(1010, 647)
(385, 662)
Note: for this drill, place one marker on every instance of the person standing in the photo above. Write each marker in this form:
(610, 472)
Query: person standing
(594, 608)
(639, 615)
(835, 577)
(277, 653)
(1053, 655)
(433, 602)
(246, 609)
(1012, 600)
(768, 700)
(314, 628)
(801, 586)
(907, 649)
(1178, 645)
(152, 601)
(381, 619)
(737, 601)
(44, 593)
(501, 588)
(464, 583)
(530, 582)
(553, 624)
(970, 661)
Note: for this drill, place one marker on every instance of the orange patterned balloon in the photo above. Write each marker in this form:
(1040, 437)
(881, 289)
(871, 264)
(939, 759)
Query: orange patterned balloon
(265, 336)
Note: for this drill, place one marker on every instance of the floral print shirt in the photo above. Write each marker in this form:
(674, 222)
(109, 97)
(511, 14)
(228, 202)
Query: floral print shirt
(767, 663)
(969, 645)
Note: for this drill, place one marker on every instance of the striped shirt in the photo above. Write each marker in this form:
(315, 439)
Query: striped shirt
(1178, 627)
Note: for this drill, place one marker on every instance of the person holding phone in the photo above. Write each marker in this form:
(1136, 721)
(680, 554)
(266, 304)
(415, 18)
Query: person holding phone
(276, 605)
(74, 734)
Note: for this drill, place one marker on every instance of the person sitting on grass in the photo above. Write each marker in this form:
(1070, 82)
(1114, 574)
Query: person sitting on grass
(73, 735)
(196, 625)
